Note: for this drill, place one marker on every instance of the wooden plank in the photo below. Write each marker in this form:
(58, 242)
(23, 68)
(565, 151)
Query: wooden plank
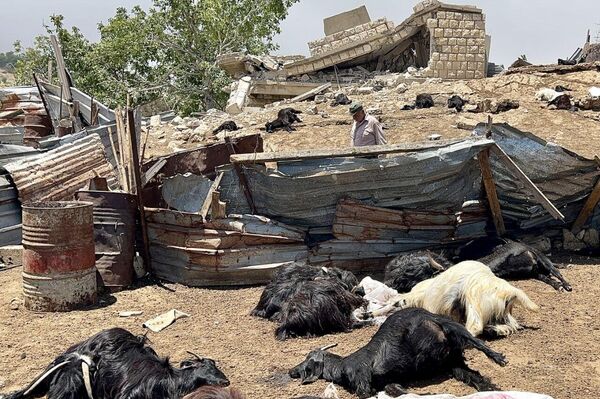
(262, 157)
(311, 93)
(154, 169)
(209, 196)
(218, 208)
(490, 190)
(137, 180)
(514, 168)
(587, 209)
(65, 82)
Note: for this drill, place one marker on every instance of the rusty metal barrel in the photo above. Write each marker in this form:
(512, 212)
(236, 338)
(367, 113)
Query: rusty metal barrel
(59, 272)
(114, 236)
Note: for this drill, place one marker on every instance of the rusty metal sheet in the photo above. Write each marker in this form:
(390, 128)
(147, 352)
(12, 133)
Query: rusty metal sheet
(114, 236)
(239, 250)
(199, 161)
(59, 173)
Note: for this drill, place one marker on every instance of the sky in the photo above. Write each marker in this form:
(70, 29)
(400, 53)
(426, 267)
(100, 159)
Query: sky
(544, 30)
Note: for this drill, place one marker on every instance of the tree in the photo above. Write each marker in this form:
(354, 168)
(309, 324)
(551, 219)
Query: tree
(8, 60)
(168, 52)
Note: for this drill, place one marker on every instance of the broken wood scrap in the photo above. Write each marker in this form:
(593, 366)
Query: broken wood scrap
(311, 93)
(490, 190)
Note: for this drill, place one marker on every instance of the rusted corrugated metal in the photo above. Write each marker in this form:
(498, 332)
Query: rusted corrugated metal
(305, 192)
(58, 256)
(201, 161)
(114, 236)
(58, 174)
(24, 99)
(239, 250)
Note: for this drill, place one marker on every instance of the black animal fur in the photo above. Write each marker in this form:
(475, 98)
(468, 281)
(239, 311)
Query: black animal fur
(285, 118)
(456, 102)
(288, 280)
(341, 99)
(229, 126)
(424, 101)
(404, 271)
(124, 367)
(412, 343)
(319, 307)
(562, 102)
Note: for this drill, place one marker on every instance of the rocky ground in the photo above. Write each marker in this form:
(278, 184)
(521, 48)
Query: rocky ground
(325, 126)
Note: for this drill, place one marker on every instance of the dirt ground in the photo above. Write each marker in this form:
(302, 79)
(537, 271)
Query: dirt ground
(556, 355)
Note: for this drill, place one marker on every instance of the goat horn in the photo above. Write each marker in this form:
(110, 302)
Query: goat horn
(328, 347)
(196, 356)
(44, 376)
(435, 264)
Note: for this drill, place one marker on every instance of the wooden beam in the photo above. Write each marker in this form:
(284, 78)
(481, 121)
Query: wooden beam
(39, 87)
(587, 209)
(490, 190)
(262, 157)
(218, 208)
(241, 177)
(514, 168)
(135, 165)
(154, 169)
(209, 196)
(311, 93)
(61, 69)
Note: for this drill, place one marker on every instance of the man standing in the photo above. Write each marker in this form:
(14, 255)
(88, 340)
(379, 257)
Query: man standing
(366, 129)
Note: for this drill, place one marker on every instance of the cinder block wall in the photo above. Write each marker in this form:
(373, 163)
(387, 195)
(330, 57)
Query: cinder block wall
(353, 35)
(457, 45)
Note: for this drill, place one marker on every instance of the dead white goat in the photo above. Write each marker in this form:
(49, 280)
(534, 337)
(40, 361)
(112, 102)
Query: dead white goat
(469, 292)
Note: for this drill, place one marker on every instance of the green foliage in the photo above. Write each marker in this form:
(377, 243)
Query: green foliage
(8, 60)
(167, 53)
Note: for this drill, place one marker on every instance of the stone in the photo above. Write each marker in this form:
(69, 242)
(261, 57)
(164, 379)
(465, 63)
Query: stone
(175, 145)
(324, 114)
(365, 90)
(155, 120)
(570, 242)
(181, 136)
(434, 137)
(195, 122)
(401, 88)
(312, 110)
(319, 99)
(15, 303)
(178, 120)
(374, 111)
(591, 238)
(304, 78)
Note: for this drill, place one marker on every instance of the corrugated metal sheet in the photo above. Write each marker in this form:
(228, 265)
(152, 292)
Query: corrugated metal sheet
(27, 102)
(239, 250)
(305, 193)
(58, 174)
(563, 176)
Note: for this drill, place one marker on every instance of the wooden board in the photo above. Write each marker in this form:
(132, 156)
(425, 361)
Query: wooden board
(261, 157)
(490, 190)
(587, 209)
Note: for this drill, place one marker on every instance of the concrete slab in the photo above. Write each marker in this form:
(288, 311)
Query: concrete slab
(346, 20)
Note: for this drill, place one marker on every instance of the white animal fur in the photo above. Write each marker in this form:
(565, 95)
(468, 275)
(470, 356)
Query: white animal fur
(547, 94)
(486, 301)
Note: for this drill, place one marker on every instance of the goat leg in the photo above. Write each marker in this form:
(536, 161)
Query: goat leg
(362, 323)
(465, 340)
(394, 390)
(473, 378)
(553, 283)
(384, 311)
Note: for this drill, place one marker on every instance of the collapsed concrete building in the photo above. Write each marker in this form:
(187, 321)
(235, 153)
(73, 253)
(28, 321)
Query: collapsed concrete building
(444, 40)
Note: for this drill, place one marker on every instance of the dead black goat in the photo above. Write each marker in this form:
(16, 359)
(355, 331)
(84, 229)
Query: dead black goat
(515, 260)
(411, 344)
(287, 280)
(309, 301)
(405, 271)
(285, 118)
(456, 102)
(115, 364)
(424, 101)
(228, 126)
(340, 99)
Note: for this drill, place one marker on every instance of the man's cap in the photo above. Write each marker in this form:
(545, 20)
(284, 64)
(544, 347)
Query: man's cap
(355, 107)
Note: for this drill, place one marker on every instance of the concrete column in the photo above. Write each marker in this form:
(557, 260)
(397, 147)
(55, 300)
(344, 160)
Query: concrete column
(239, 96)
